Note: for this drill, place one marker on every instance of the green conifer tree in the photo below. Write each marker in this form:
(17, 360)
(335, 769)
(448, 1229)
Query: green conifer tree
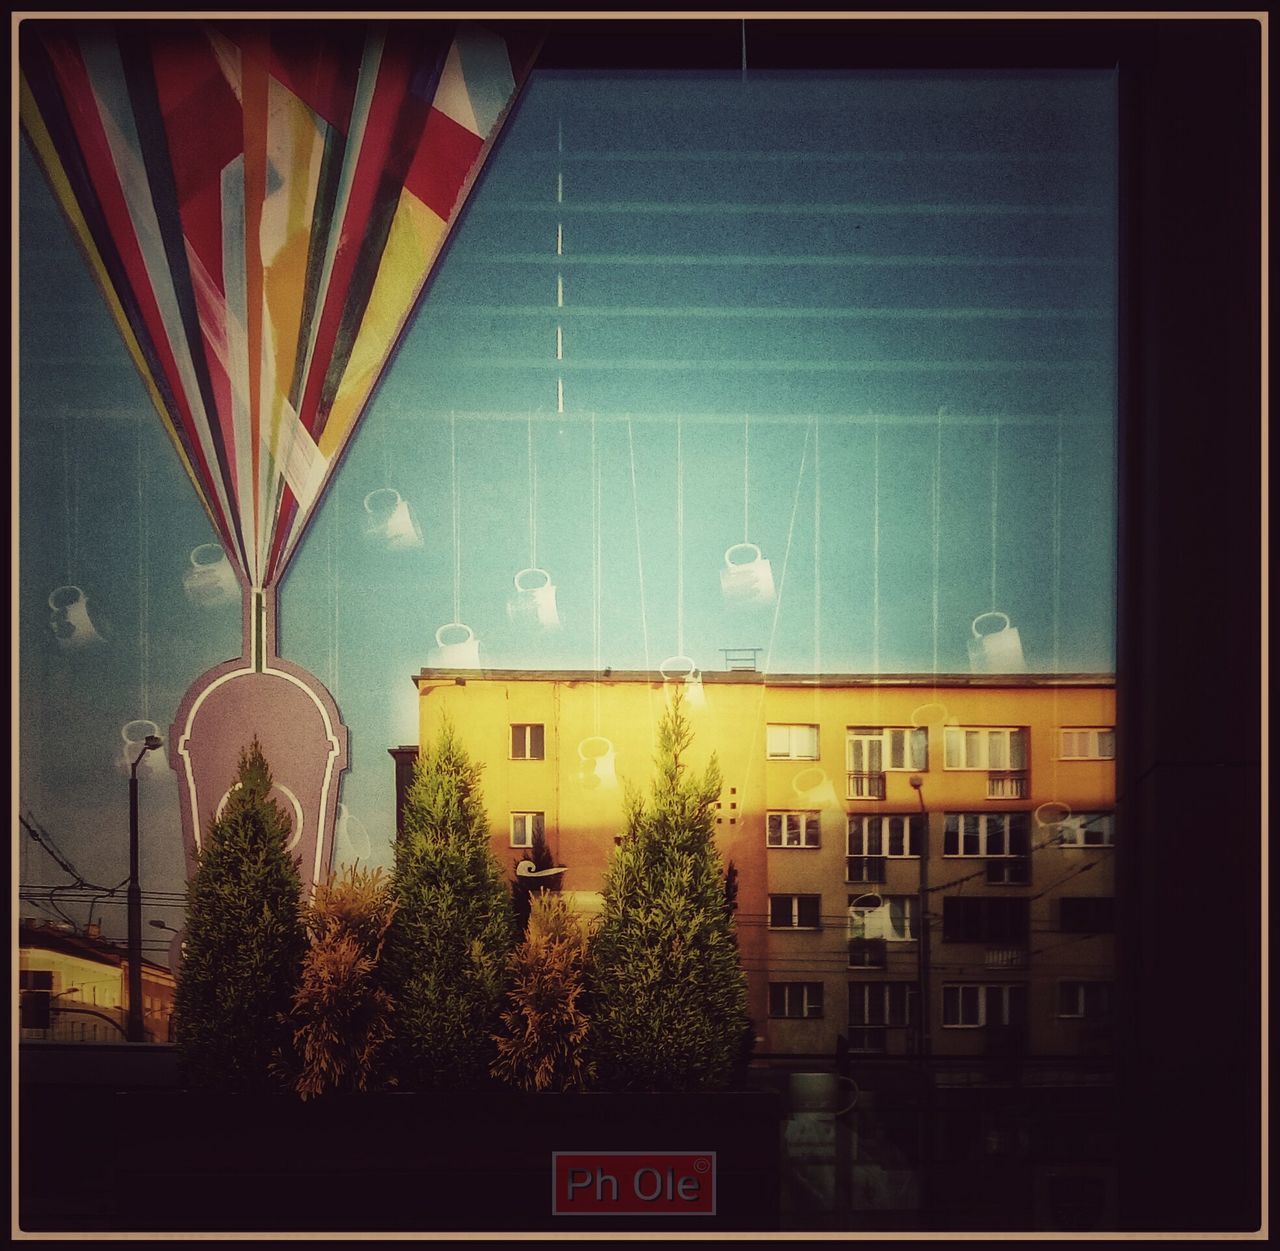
(244, 941)
(669, 1007)
(446, 951)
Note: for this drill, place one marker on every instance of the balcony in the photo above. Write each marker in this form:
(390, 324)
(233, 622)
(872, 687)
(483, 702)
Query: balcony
(1007, 957)
(1007, 784)
(864, 868)
(866, 786)
(868, 953)
(1009, 870)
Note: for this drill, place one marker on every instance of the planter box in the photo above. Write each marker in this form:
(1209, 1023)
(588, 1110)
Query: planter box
(168, 1160)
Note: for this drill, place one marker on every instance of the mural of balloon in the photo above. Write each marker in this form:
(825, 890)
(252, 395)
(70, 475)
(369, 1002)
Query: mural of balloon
(262, 203)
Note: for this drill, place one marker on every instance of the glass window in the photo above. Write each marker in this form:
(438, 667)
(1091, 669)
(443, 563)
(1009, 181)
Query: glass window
(792, 742)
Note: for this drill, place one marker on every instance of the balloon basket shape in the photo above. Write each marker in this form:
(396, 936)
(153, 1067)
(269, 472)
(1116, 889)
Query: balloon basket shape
(680, 671)
(827, 1093)
(351, 837)
(70, 620)
(297, 725)
(389, 521)
(534, 601)
(998, 650)
(814, 789)
(155, 763)
(597, 764)
(456, 648)
(210, 582)
(747, 577)
(284, 799)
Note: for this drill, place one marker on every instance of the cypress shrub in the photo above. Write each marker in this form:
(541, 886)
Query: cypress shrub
(669, 1002)
(448, 943)
(244, 941)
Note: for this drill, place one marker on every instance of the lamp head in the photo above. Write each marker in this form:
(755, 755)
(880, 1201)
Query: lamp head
(916, 781)
(152, 742)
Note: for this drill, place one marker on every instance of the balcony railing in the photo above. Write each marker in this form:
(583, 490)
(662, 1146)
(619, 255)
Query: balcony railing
(1009, 870)
(866, 786)
(1006, 958)
(864, 868)
(1007, 784)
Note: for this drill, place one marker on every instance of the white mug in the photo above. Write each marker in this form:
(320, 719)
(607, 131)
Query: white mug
(390, 521)
(70, 621)
(597, 768)
(998, 651)
(747, 577)
(534, 602)
(210, 581)
(155, 763)
(460, 650)
(814, 789)
(681, 669)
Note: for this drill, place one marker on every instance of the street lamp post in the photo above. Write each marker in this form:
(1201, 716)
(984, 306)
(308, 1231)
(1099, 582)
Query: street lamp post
(134, 1030)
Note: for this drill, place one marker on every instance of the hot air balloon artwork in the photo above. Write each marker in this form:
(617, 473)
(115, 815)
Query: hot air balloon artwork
(261, 204)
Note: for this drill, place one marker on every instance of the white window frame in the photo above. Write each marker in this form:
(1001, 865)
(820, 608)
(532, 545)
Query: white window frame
(983, 990)
(863, 832)
(1080, 1012)
(795, 912)
(524, 815)
(867, 991)
(987, 734)
(527, 736)
(1072, 832)
(808, 819)
(985, 831)
(811, 1005)
(886, 735)
(1091, 747)
(776, 732)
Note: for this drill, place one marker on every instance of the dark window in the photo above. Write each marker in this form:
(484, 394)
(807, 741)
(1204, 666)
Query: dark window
(1087, 915)
(985, 919)
(795, 911)
(526, 742)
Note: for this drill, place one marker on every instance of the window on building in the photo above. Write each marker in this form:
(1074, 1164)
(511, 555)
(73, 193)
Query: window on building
(988, 834)
(1090, 1001)
(986, 919)
(35, 993)
(876, 1007)
(795, 999)
(1087, 743)
(793, 829)
(792, 742)
(892, 919)
(874, 749)
(1087, 914)
(795, 912)
(525, 826)
(972, 1005)
(526, 742)
(872, 840)
(973, 747)
(1088, 829)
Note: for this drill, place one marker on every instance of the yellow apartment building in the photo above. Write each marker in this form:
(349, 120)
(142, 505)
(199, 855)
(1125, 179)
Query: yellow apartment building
(924, 862)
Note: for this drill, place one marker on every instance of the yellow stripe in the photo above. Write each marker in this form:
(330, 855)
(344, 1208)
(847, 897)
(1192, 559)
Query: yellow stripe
(47, 155)
(413, 244)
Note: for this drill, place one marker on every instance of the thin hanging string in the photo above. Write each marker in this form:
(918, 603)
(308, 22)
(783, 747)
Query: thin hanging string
(995, 507)
(786, 555)
(559, 263)
(457, 519)
(644, 616)
(875, 551)
(679, 535)
(937, 533)
(817, 553)
(744, 49)
(533, 504)
(746, 477)
(70, 503)
(595, 572)
(1057, 546)
(143, 591)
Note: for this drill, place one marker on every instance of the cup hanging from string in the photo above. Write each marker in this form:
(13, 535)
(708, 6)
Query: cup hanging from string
(533, 602)
(75, 619)
(210, 581)
(456, 644)
(747, 576)
(680, 669)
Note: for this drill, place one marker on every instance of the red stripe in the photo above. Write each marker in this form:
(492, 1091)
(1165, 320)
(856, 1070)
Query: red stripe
(442, 162)
(82, 110)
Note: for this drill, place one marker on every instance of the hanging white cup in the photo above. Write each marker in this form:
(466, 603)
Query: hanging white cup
(597, 764)
(998, 650)
(747, 577)
(814, 789)
(69, 619)
(534, 601)
(154, 764)
(210, 581)
(390, 521)
(682, 670)
(456, 647)
(351, 836)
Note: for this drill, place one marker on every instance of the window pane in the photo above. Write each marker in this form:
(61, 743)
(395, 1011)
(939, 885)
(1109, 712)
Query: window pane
(778, 738)
(920, 749)
(536, 742)
(805, 741)
(793, 830)
(1107, 744)
(809, 906)
(995, 1006)
(971, 842)
(995, 835)
(969, 1005)
(997, 750)
(897, 749)
(951, 836)
(951, 1005)
(775, 829)
(1018, 749)
(780, 910)
(855, 836)
(517, 742)
(895, 836)
(874, 836)
(812, 828)
(972, 749)
(857, 1004)
(813, 997)
(777, 999)
(954, 749)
